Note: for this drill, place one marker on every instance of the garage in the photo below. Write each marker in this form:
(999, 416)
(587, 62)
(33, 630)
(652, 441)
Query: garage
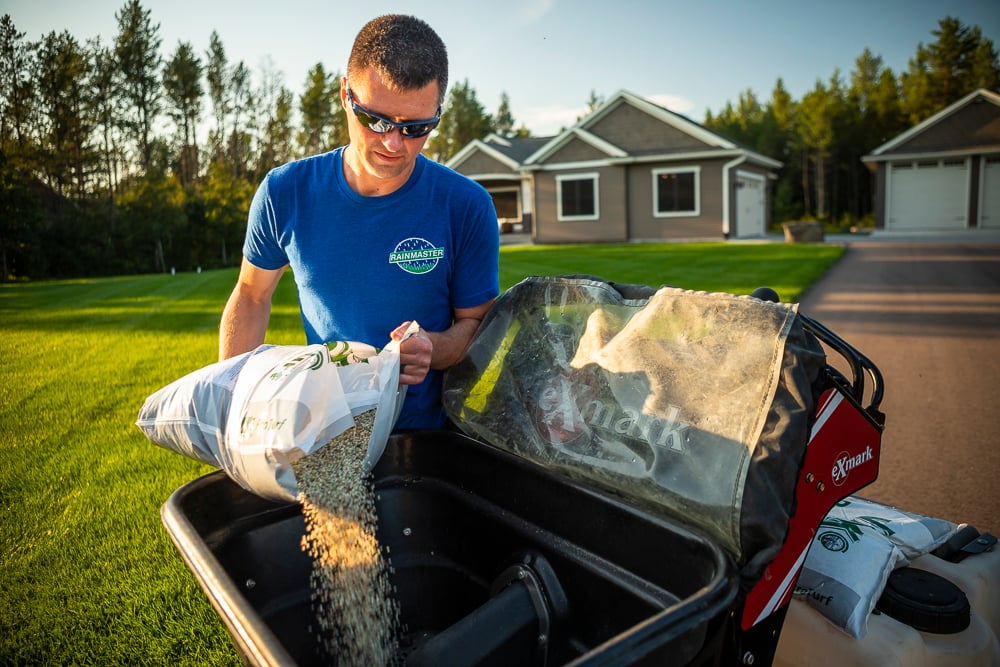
(928, 195)
(989, 189)
(943, 174)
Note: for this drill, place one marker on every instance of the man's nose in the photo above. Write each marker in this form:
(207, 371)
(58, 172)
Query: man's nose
(393, 140)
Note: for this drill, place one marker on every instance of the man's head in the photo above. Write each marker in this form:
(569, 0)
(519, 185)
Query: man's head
(393, 92)
(405, 51)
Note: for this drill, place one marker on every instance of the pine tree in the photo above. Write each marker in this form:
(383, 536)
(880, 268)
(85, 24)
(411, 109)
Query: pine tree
(137, 50)
(958, 62)
(462, 120)
(184, 91)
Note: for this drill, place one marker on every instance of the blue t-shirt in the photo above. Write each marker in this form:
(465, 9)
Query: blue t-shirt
(363, 265)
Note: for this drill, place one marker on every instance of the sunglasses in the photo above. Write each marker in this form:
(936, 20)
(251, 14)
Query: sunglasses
(412, 129)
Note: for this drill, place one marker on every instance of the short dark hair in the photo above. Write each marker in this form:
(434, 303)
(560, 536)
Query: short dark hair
(404, 50)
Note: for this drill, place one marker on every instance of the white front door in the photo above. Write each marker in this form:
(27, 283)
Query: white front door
(749, 204)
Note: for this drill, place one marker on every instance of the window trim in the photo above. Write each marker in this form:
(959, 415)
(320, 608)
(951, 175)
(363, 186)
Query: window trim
(655, 175)
(595, 178)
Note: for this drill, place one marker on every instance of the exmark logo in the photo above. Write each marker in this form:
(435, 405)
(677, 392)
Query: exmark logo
(845, 463)
(416, 256)
(567, 411)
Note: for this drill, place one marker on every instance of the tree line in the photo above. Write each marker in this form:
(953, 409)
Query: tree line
(115, 159)
(821, 138)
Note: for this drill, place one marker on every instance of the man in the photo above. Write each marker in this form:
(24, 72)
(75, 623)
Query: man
(376, 235)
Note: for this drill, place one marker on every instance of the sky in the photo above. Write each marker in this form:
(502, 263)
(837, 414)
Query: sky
(549, 56)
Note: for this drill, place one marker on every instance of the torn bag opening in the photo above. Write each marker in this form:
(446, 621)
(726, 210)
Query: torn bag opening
(696, 406)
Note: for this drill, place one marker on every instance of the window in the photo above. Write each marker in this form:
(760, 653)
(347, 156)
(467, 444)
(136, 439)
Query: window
(577, 197)
(676, 192)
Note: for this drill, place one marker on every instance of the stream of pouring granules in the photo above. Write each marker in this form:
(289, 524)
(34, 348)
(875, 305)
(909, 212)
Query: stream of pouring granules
(358, 616)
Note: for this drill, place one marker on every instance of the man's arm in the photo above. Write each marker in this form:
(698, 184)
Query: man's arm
(245, 317)
(438, 349)
(450, 345)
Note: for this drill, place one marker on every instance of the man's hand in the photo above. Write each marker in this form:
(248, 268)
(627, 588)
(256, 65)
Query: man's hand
(414, 354)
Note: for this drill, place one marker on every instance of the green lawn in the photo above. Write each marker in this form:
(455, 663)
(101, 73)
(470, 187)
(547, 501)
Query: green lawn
(88, 575)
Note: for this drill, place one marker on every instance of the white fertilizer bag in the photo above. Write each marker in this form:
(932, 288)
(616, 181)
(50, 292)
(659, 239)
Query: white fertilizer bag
(257, 414)
(857, 546)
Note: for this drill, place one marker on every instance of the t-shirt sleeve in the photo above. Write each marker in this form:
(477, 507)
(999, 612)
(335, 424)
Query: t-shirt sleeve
(477, 272)
(262, 245)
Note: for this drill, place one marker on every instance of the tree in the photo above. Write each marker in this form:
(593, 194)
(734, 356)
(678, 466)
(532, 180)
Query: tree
(778, 122)
(184, 92)
(593, 104)
(275, 110)
(777, 140)
(104, 94)
(839, 182)
(16, 87)
(277, 146)
(152, 211)
(65, 116)
(873, 105)
(324, 125)
(227, 200)
(815, 132)
(242, 99)
(21, 254)
(960, 61)
(216, 73)
(743, 122)
(137, 49)
(503, 121)
(462, 120)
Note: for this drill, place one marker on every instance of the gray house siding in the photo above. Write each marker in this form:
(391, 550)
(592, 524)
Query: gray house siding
(610, 225)
(481, 163)
(646, 226)
(576, 150)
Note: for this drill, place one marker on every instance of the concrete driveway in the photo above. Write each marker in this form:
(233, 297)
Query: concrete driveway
(927, 312)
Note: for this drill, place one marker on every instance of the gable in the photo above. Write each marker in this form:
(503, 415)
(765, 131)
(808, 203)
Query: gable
(975, 125)
(576, 150)
(479, 162)
(970, 125)
(639, 133)
(629, 128)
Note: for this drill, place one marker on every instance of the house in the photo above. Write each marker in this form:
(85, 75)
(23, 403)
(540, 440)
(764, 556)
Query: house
(629, 171)
(495, 163)
(944, 173)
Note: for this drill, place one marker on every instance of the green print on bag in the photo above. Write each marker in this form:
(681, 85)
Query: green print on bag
(313, 361)
(846, 531)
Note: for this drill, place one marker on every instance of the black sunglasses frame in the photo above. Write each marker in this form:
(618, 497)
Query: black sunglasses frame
(413, 129)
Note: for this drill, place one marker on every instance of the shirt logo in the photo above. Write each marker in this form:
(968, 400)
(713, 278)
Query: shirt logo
(416, 256)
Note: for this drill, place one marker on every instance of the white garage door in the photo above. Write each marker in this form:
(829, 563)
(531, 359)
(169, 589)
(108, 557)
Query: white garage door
(989, 208)
(749, 204)
(928, 196)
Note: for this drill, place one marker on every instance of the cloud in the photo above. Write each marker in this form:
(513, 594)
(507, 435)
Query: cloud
(548, 120)
(675, 103)
(531, 11)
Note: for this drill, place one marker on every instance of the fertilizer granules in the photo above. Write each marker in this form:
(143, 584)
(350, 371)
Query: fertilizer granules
(351, 594)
